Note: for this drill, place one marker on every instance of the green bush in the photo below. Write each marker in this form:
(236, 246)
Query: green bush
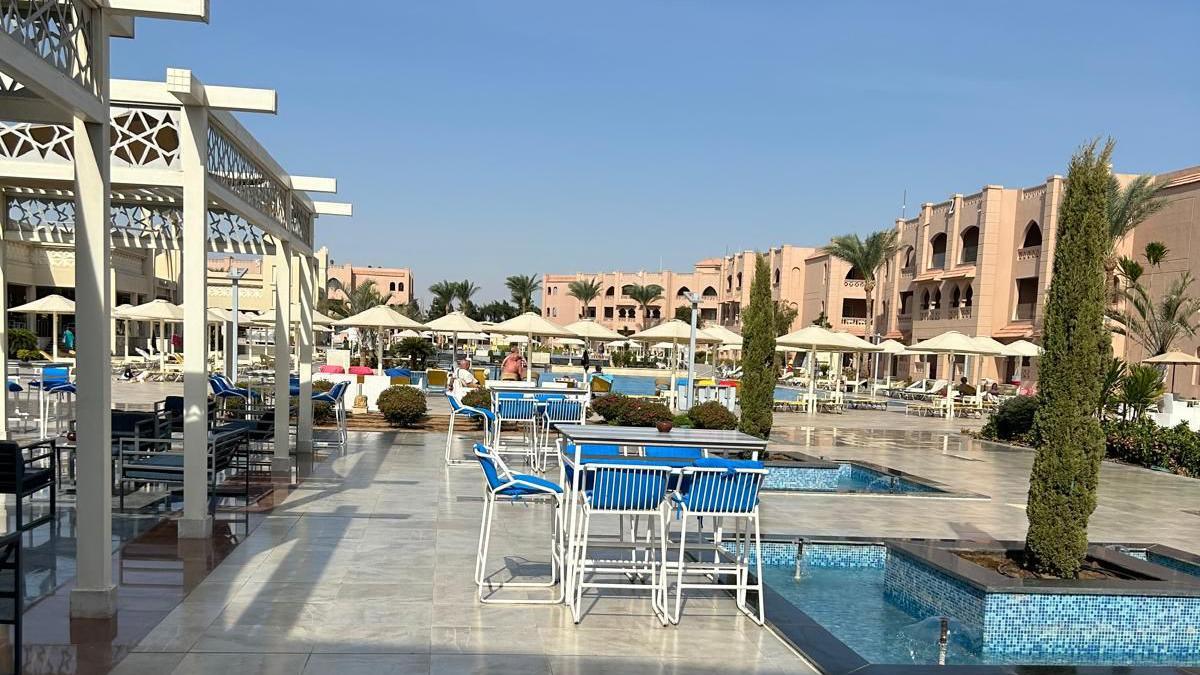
(1143, 442)
(21, 340)
(29, 355)
(641, 412)
(712, 415)
(478, 398)
(402, 405)
(610, 407)
(682, 421)
(322, 412)
(1013, 420)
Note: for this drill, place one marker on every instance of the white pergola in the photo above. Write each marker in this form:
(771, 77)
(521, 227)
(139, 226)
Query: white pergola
(180, 173)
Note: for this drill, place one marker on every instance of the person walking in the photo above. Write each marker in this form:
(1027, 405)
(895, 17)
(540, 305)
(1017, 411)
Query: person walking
(586, 362)
(68, 339)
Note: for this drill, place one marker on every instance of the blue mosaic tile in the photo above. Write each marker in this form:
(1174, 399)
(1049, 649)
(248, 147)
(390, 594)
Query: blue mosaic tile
(797, 478)
(923, 591)
(1173, 563)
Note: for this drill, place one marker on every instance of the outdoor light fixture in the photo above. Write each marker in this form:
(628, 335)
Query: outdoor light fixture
(693, 298)
(235, 276)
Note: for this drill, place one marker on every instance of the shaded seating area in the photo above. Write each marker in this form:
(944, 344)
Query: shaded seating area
(143, 461)
(26, 470)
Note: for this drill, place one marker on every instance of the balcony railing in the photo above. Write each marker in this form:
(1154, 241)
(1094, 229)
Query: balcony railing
(958, 313)
(854, 321)
(1025, 311)
(904, 318)
(937, 261)
(907, 271)
(1029, 253)
(931, 314)
(854, 283)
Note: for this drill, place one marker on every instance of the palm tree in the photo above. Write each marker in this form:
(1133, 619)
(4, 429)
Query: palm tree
(866, 256)
(361, 298)
(522, 287)
(644, 295)
(585, 291)
(1128, 207)
(463, 292)
(1156, 325)
(444, 294)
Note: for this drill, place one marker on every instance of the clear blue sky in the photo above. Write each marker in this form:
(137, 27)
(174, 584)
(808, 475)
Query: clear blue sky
(486, 138)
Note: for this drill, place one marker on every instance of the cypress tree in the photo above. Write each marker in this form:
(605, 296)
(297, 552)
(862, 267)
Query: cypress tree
(1070, 442)
(757, 391)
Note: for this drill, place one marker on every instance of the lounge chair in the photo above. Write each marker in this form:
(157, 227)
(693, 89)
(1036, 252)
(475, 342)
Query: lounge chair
(436, 378)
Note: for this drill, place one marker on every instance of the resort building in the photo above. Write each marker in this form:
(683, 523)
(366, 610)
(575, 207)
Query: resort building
(396, 283)
(977, 263)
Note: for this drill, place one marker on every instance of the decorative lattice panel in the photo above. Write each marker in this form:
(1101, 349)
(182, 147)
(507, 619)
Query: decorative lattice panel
(50, 217)
(57, 31)
(21, 140)
(227, 230)
(158, 221)
(235, 169)
(302, 222)
(145, 137)
(8, 85)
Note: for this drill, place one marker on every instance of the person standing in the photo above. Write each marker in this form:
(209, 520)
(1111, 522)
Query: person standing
(585, 362)
(68, 339)
(514, 366)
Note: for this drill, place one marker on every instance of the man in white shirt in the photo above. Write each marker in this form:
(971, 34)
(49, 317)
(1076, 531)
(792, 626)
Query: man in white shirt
(463, 380)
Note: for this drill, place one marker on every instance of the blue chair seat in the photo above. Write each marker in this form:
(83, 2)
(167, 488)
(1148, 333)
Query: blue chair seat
(14, 388)
(168, 467)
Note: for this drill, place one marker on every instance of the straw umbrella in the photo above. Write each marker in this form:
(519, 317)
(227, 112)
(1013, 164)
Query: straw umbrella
(162, 312)
(1023, 349)
(674, 331)
(812, 339)
(889, 348)
(952, 343)
(453, 324)
(529, 325)
(1173, 359)
(382, 317)
(54, 305)
(591, 331)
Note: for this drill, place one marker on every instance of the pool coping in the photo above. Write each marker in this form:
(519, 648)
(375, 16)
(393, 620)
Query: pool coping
(831, 656)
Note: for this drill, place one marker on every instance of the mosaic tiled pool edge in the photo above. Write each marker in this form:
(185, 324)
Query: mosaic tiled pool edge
(1015, 625)
(830, 478)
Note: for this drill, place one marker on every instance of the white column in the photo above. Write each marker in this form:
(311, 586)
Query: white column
(94, 595)
(304, 425)
(193, 132)
(3, 322)
(282, 462)
(112, 302)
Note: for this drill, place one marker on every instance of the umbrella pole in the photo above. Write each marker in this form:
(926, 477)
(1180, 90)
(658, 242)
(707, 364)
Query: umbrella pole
(529, 365)
(380, 355)
(812, 376)
(950, 390)
(162, 354)
(54, 335)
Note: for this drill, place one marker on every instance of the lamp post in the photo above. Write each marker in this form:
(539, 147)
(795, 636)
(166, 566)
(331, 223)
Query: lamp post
(235, 276)
(691, 371)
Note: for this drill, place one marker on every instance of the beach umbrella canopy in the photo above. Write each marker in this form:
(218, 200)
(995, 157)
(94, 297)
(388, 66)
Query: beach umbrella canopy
(456, 322)
(953, 342)
(211, 315)
(408, 333)
(590, 330)
(319, 319)
(997, 348)
(529, 325)
(813, 338)
(571, 342)
(382, 317)
(673, 330)
(1174, 359)
(617, 344)
(892, 347)
(1023, 348)
(54, 305)
(856, 344)
(726, 336)
(664, 345)
(156, 310)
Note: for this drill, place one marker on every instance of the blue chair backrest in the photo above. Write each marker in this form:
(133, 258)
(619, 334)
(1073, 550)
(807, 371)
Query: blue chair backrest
(338, 390)
(673, 451)
(516, 409)
(55, 375)
(491, 471)
(626, 487)
(564, 410)
(398, 372)
(510, 395)
(586, 449)
(718, 485)
(455, 404)
(544, 398)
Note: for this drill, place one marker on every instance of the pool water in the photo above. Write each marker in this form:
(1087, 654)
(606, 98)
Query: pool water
(638, 385)
(849, 599)
(845, 477)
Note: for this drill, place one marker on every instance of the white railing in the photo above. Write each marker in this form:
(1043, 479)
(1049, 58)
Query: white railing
(58, 32)
(958, 313)
(855, 283)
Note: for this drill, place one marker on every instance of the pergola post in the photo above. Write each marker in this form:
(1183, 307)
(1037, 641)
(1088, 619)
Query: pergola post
(304, 424)
(3, 323)
(94, 595)
(193, 137)
(282, 462)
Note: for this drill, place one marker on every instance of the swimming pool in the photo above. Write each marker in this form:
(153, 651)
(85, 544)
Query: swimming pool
(642, 385)
(843, 477)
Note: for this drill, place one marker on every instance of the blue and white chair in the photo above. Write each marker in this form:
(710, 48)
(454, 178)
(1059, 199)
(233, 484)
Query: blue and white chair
(336, 398)
(516, 408)
(720, 488)
(620, 487)
(457, 410)
(558, 408)
(502, 484)
(223, 389)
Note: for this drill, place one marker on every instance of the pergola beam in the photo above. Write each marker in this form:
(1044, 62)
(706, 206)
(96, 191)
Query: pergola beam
(333, 209)
(314, 184)
(179, 10)
(181, 86)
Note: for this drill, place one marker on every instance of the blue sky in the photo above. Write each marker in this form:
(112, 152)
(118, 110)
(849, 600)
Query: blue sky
(481, 139)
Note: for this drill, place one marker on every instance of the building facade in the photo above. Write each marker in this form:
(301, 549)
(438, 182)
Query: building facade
(977, 263)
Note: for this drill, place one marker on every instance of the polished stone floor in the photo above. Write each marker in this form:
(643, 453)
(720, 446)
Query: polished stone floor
(365, 566)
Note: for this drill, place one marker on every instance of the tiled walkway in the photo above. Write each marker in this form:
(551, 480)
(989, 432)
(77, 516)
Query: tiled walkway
(366, 568)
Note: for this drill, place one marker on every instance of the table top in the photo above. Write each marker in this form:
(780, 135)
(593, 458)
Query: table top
(530, 388)
(705, 438)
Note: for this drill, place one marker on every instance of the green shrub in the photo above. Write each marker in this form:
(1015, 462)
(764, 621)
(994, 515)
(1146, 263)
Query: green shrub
(21, 340)
(712, 415)
(639, 412)
(29, 355)
(682, 421)
(610, 407)
(1012, 420)
(478, 398)
(402, 405)
(322, 412)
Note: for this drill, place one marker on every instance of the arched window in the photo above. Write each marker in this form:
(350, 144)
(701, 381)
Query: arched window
(909, 257)
(626, 289)
(683, 291)
(612, 290)
(729, 283)
(392, 286)
(955, 297)
(778, 277)
(710, 292)
(1033, 235)
(797, 279)
(970, 245)
(937, 251)
(925, 300)
(739, 275)
(937, 299)
(968, 296)
(400, 286)
(853, 274)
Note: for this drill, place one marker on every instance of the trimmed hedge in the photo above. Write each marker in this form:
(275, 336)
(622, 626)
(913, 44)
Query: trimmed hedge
(402, 405)
(1012, 421)
(478, 398)
(1175, 449)
(609, 406)
(712, 415)
(630, 412)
